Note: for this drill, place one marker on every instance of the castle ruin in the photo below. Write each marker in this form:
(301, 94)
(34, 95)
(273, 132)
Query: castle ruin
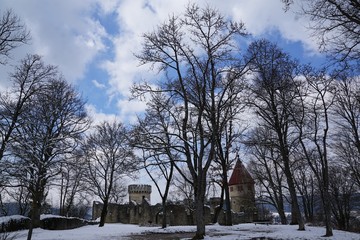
(242, 192)
(139, 192)
(140, 211)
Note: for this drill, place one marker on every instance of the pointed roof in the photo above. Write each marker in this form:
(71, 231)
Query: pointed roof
(240, 175)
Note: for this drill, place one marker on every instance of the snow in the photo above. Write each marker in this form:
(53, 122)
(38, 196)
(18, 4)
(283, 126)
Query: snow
(6, 219)
(241, 231)
(45, 216)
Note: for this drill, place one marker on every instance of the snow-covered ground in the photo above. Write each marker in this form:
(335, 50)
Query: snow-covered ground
(238, 232)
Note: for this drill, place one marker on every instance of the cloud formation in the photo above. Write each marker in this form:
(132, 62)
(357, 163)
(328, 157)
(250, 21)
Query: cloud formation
(72, 34)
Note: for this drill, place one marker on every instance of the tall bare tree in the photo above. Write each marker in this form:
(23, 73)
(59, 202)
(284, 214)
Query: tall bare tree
(314, 126)
(12, 34)
(271, 95)
(307, 186)
(347, 119)
(266, 168)
(71, 181)
(50, 128)
(110, 158)
(336, 25)
(195, 51)
(28, 79)
(230, 131)
(153, 135)
(342, 188)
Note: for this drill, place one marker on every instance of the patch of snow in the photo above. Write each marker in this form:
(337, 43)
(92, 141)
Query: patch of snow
(238, 232)
(6, 219)
(45, 216)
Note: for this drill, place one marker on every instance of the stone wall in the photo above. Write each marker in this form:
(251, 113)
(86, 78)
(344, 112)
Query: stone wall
(145, 214)
(139, 192)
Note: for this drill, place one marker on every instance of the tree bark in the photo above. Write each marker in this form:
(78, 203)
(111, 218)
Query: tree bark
(164, 218)
(35, 214)
(218, 209)
(104, 211)
(228, 218)
(327, 212)
(295, 209)
(200, 217)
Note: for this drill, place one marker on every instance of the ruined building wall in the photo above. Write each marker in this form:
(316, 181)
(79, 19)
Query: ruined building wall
(145, 214)
(138, 192)
(242, 197)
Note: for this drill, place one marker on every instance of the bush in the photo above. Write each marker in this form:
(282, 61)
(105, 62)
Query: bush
(13, 223)
(61, 223)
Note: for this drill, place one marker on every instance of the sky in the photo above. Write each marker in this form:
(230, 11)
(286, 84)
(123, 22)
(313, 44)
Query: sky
(93, 42)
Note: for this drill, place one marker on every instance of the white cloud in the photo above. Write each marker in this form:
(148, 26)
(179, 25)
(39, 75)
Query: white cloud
(129, 110)
(138, 17)
(63, 32)
(98, 117)
(98, 85)
(68, 34)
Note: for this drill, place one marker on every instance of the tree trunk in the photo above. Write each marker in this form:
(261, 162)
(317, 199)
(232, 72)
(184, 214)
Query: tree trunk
(282, 215)
(295, 209)
(294, 217)
(199, 207)
(327, 211)
(228, 218)
(35, 214)
(103, 213)
(218, 209)
(200, 218)
(164, 218)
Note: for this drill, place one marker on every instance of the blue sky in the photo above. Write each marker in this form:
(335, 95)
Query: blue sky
(93, 41)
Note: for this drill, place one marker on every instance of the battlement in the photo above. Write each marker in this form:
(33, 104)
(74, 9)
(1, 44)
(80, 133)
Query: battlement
(139, 188)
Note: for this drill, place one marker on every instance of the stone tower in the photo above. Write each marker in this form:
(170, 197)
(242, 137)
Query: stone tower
(241, 188)
(139, 192)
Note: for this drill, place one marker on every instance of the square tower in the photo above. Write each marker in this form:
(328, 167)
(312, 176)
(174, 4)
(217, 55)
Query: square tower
(139, 192)
(241, 188)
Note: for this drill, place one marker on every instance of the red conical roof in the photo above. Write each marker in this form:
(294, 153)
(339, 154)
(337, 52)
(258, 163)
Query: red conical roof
(240, 175)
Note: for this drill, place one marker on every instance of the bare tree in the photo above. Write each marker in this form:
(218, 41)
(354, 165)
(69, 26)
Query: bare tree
(72, 181)
(336, 25)
(347, 119)
(195, 53)
(109, 158)
(271, 95)
(28, 79)
(342, 188)
(21, 196)
(119, 191)
(307, 187)
(314, 126)
(230, 131)
(266, 168)
(50, 128)
(182, 190)
(153, 135)
(12, 33)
